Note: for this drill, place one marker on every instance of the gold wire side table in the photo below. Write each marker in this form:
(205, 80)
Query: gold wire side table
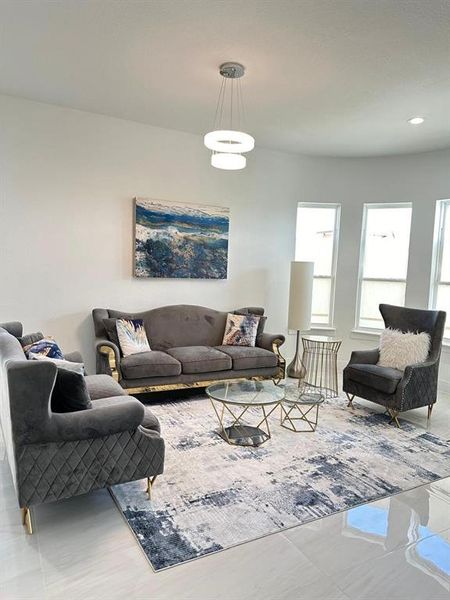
(320, 360)
(300, 410)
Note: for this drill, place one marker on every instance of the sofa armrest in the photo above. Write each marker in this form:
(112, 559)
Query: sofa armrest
(74, 356)
(364, 357)
(418, 386)
(108, 358)
(273, 342)
(270, 341)
(123, 414)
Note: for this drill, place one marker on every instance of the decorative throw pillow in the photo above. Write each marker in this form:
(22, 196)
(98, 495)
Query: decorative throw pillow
(262, 319)
(30, 338)
(61, 364)
(240, 330)
(398, 349)
(132, 336)
(70, 392)
(46, 347)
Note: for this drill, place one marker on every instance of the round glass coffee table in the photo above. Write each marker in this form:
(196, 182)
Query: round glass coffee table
(235, 400)
(300, 410)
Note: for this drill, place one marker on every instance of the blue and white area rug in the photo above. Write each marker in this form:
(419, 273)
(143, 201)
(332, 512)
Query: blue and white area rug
(213, 496)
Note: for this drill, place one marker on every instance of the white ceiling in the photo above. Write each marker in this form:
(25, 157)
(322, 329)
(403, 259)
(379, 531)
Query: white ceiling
(325, 77)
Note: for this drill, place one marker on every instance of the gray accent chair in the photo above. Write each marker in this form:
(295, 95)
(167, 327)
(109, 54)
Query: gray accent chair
(398, 391)
(187, 350)
(54, 456)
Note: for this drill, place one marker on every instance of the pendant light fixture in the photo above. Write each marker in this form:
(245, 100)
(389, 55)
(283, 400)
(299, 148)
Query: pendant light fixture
(226, 141)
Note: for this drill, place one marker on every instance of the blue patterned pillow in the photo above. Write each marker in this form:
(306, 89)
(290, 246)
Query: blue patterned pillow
(132, 336)
(240, 330)
(45, 347)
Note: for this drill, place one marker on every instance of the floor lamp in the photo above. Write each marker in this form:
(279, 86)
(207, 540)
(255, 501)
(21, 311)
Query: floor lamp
(300, 302)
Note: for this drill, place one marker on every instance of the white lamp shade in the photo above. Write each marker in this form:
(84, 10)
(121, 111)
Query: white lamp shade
(229, 141)
(227, 161)
(300, 295)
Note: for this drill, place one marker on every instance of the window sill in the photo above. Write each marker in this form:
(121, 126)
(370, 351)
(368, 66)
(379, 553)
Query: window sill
(364, 334)
(313, 330)
(322, 328)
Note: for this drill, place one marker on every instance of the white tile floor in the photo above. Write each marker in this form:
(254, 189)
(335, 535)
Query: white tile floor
(82, 548)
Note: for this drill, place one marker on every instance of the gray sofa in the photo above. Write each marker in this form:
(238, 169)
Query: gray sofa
(398, 391)
(187, 350)
(59, 455)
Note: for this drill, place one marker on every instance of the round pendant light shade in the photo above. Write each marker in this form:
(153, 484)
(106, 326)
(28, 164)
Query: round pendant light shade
(227, 161)
(228, 143)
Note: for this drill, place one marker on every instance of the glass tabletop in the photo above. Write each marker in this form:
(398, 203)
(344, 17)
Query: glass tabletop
(246, 393)
(293, 395)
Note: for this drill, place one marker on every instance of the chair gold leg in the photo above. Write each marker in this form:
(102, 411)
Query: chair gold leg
(350, 400)
(394, 415)
(430, 410)
(150, 482)
(26, 519)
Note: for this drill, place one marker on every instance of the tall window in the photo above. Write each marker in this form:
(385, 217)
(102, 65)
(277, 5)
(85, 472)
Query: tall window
(317, 241)
(440, 282)
(383, 261)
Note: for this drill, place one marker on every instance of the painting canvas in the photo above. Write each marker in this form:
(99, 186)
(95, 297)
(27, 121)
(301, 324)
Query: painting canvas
(180, 240)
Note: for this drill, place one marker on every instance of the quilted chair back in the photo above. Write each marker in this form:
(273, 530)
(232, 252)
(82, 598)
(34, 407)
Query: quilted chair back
(416, 320)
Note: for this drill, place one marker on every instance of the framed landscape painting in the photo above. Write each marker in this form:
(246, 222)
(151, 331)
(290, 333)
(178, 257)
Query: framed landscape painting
(177, 240)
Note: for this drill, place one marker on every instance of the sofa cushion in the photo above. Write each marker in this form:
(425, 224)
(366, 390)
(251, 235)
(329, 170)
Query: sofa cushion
(383, 379)
(248, 357)
(201, 359)
(103, 386)
(149, 364)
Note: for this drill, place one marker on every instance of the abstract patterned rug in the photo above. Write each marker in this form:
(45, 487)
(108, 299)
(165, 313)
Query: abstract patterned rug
(213, 496)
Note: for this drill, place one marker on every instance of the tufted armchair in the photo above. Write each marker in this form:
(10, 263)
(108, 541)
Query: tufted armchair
(59, 455)
(398, 391)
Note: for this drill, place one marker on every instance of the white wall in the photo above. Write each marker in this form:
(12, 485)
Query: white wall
(421, 179)
(67, 183)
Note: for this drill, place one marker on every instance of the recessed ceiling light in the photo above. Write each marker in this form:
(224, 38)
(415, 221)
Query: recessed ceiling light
(416, 120)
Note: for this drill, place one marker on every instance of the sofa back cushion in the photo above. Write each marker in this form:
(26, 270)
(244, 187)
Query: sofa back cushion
(179, 325)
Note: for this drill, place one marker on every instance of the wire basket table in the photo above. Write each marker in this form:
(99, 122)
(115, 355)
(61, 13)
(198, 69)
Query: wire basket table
(320, 360)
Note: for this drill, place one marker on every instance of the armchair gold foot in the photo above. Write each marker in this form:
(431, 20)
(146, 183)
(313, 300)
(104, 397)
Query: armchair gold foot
(430, 410)
(26, 519)
(394, 415)
(150, 482)
(350, 399)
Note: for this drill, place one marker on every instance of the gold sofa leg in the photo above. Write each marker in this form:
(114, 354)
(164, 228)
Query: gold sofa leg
(350, 400)
(26, 519)
(150, 482)
(394, 414)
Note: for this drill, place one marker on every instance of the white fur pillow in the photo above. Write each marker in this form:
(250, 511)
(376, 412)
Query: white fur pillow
(398, 349)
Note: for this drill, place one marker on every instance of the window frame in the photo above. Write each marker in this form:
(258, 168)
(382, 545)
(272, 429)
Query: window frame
(334, 259)
(442, 207)
(362, 251)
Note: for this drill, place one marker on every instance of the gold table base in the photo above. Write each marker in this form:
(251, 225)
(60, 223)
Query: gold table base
(239, 433)
(291, 414)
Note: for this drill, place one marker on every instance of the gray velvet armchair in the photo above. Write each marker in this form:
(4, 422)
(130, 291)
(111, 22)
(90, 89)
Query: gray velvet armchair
(398, 390)
(53, 455)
